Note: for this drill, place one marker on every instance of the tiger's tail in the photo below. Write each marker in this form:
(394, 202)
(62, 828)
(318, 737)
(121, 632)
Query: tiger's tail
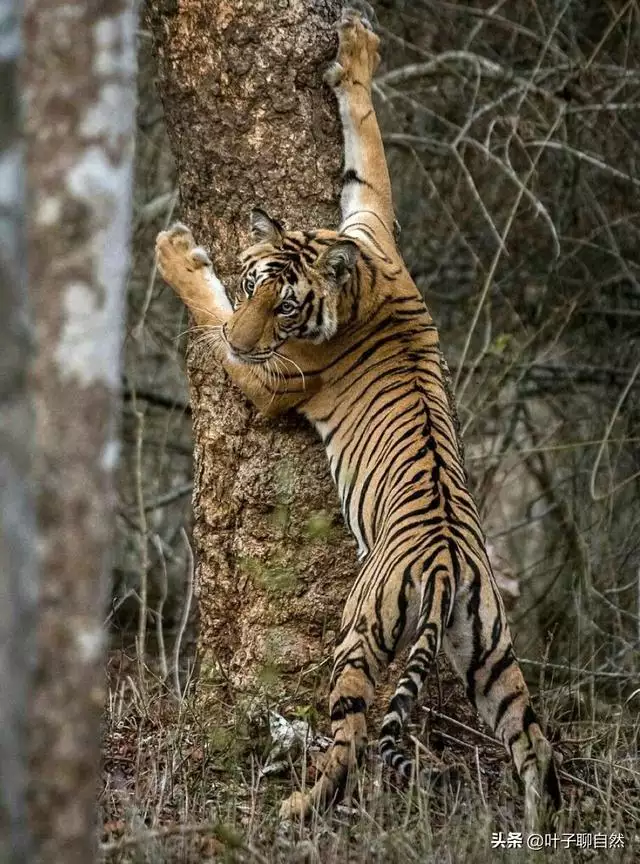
(436, 608)
(406, 693)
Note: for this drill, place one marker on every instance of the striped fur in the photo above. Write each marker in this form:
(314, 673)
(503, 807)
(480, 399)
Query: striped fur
(331, 323)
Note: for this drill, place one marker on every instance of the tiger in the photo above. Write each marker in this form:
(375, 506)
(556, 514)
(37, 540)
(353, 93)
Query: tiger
(331, 324)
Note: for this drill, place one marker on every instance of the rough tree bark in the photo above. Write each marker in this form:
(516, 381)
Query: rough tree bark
(79, 80)
(252, 124)
(17, 502)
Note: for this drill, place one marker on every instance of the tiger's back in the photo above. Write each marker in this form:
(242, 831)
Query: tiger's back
(385, 417)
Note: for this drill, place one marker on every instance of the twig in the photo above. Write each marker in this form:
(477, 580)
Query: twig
(169, 497)
(421, 748)
(603, 444)
(584, 157)
(609, 765)
(160, 608)
(440, 716)
(538, 206)
(139, 327)
(574, 670)
(482, 65)
(500, 239)
(479, 775)
(631, 811)
(607, 32)
(455, 740)
(186, 609)
(524, 523)
(143, 537)
(156, 399)
(489, 15)
(152, 209)
(121, 600)
(496, 259)
(604, 106)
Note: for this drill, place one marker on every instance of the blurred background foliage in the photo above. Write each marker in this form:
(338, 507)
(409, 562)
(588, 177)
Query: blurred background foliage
(511, 131)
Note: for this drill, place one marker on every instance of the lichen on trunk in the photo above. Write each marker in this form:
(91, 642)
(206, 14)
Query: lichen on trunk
(252, 124)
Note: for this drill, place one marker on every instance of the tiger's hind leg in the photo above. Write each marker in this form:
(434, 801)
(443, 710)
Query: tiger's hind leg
(478, 643)
(380, 615)
(352, 686)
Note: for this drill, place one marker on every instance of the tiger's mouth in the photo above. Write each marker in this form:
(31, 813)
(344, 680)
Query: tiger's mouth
(251, 357)
(248, 358)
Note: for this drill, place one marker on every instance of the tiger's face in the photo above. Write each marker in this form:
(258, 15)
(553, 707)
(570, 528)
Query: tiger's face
(290, 289)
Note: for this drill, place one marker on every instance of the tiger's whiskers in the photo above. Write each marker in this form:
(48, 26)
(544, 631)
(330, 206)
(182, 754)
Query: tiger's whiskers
(295, 366)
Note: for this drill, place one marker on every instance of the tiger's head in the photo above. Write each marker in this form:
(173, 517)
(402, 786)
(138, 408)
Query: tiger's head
(292, 287)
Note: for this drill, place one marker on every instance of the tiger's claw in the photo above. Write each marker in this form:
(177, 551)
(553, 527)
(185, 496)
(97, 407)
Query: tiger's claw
(357, 57)
(362, 10)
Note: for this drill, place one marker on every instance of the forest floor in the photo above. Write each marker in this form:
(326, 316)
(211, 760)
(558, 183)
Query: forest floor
(182, 782)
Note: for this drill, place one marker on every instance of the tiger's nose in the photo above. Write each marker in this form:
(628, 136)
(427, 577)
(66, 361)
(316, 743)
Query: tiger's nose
(242, 340)
(245, 328)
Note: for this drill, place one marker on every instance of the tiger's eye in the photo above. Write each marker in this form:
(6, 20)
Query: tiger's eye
(286, 307)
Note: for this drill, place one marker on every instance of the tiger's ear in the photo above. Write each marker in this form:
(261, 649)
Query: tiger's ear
(264, 229)
(338, 263)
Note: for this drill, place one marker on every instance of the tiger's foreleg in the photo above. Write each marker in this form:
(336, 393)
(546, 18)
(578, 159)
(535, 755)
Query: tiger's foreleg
(188, 269)
(479, 645)
(366, 193)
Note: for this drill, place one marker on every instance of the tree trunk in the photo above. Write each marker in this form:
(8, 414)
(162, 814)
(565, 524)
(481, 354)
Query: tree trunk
(17, 502)
(80, 87)
(252, 124)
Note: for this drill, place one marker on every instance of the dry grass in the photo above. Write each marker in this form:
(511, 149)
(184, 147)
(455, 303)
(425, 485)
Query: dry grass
(182, 784)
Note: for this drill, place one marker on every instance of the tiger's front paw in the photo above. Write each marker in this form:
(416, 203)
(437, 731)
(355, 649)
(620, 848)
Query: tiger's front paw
(358, 56)
(177, 255)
